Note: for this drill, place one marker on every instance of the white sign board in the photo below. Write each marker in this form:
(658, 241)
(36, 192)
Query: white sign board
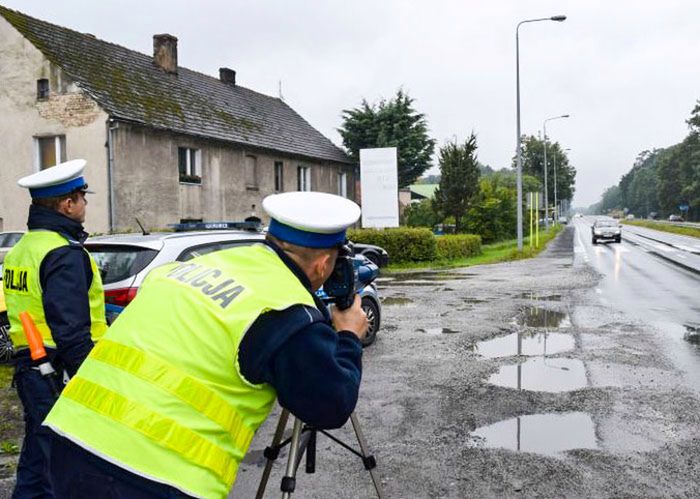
(379, 185)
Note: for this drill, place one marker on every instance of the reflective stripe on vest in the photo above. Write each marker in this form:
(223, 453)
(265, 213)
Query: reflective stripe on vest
(22, 287)
(168, 378)
(165, 378)
(165, 431)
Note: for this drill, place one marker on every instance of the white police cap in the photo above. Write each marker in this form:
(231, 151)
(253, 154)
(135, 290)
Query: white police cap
(311, 219)
(63, 178)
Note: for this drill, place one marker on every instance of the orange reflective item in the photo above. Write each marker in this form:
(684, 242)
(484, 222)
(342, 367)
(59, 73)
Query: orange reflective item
(36, 344)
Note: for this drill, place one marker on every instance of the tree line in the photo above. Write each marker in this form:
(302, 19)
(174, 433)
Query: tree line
(660, 181)
(472, 197)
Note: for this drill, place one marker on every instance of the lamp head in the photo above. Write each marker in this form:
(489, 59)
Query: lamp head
(558, 18)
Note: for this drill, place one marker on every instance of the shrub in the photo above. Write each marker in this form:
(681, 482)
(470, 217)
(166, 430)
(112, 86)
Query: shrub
(458, 246)
(402, 244)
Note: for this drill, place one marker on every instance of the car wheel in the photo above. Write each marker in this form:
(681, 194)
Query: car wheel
(374, 319)
(5, 342)
(618, 240)
(594, 240)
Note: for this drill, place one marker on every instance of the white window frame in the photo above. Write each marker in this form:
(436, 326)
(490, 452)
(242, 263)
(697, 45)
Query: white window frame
(192, 170)
(59, 144)
(304, 178)
(279, 175)
(343, 184)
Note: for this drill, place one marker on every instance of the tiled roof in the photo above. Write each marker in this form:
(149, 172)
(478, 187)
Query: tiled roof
(129, 86)
(424, 190)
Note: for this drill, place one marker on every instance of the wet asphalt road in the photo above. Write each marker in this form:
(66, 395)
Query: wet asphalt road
(655, 276)
(547, 377)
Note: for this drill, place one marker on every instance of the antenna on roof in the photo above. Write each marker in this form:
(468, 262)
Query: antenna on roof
(143, 231)
(279, 90)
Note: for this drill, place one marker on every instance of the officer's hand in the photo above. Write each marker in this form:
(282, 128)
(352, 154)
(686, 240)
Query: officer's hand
(351, 319)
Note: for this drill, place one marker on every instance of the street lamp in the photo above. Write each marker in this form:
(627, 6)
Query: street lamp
(519, 155)
(556, 203)
(546, 198)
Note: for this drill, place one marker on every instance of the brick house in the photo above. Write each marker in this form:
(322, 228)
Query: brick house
(163, 143)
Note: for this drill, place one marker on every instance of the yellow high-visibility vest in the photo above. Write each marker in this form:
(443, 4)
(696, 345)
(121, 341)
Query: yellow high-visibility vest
(162, 395)
(23, 292)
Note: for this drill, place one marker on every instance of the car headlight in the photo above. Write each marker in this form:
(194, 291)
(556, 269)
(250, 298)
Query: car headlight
(617, 231)
(597, 232)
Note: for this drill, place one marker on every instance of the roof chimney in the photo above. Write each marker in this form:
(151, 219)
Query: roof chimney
(228, 76)
(165, 52)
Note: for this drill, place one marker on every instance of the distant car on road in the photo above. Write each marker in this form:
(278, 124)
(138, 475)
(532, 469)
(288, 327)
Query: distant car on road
(563, 220)
(124, 261)
(606, 229)
(675, 218)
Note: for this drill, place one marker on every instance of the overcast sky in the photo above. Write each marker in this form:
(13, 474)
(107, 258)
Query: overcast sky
(626, 70)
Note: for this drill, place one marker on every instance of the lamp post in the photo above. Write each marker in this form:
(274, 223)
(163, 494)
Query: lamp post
(546, 197)
(519, 156)
(556, 203)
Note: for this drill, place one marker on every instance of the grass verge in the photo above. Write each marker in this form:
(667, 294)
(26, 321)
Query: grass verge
(666, 227)
(504, 251)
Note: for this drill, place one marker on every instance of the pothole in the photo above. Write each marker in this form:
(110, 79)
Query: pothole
(547, 434)
(396, 300)
(436, 331)
(541, 317)
(542, 374)
(534, 296)
(525, 343)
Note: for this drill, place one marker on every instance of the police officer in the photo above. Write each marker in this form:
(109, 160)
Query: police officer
(49, 274)
(168, 401)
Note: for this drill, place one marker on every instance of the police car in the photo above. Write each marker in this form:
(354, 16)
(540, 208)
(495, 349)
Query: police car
(124, 260)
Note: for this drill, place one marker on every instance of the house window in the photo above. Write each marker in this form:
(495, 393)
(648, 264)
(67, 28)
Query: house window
(303, 178)
(279, 179)
(42, 88)
(251, 172)
(343, 184)
(49, 151)
(188, 163)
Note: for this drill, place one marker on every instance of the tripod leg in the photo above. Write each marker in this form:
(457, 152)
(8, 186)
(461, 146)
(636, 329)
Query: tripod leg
(272, 452)
(289, 479)
(311, 452)
(367, 459)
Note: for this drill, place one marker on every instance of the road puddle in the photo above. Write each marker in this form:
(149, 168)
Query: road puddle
(415, 278)
(692, 334)
(542, 374)
(525, 343)
(436, 331)
(536, 297)
(547, 434)
(475, 300)
(396, 300)
(541, 317)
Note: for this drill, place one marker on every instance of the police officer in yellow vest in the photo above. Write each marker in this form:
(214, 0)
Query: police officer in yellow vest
(168, 401)
(49, 274)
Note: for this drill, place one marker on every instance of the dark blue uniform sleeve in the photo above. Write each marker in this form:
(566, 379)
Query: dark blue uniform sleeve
(65, 277)
(315, 371)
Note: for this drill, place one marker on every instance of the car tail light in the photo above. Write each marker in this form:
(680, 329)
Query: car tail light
(121, 297)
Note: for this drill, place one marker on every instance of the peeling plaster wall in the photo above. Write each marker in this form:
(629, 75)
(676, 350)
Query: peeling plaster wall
(146, 173)
(67, 111)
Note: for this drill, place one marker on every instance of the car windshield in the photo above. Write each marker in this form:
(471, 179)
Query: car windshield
(117, 263)
(606, 223)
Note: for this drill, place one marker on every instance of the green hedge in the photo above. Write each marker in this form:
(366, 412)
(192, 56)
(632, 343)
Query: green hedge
(416, 245)
(402, 244)
(458, 246)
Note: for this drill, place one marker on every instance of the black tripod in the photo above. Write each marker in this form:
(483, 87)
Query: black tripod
(303, 439)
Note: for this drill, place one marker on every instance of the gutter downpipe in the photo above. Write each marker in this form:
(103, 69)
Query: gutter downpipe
(112, 125)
